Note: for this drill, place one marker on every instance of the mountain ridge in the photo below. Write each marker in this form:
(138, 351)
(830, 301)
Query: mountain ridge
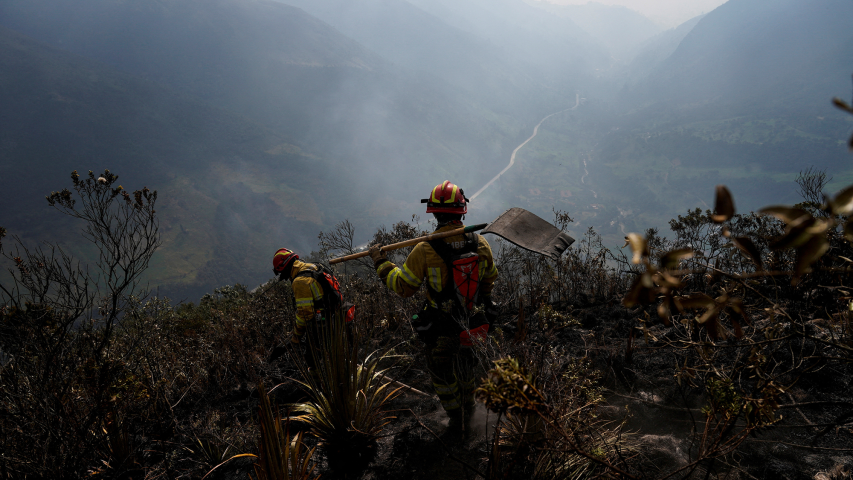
(419, 41)
(769, 48)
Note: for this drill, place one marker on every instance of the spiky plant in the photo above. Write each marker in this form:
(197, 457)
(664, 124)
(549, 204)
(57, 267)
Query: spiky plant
(280, 456)
(346, 395)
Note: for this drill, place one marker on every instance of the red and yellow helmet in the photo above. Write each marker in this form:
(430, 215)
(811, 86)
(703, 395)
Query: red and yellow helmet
(446, 198)
(283, 260)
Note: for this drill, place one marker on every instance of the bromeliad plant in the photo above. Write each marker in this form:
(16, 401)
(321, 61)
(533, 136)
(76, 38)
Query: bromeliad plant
(280, 456)
(346, 395)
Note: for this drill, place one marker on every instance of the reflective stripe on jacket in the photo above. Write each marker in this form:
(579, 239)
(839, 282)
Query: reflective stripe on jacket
(425, 265)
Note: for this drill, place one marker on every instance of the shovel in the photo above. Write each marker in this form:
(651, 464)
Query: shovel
(516, 225)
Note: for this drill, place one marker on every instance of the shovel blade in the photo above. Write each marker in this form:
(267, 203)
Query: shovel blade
(530, 232)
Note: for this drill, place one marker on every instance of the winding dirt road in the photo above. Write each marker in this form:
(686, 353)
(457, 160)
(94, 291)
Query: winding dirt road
(511, 162)
(583, 178)
(512, 158)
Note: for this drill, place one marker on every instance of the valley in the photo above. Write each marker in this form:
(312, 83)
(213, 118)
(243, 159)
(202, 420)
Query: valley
(328, 99)
(515, 152)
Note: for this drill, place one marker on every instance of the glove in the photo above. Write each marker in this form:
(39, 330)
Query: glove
(377, 255)
(295, 339)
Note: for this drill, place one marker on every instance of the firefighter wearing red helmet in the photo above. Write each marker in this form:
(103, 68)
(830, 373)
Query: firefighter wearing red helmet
(459, 273)
(316, 294)
(306, 290)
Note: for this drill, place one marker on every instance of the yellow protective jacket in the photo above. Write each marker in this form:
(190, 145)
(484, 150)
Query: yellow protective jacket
(307, 293)
(425, 265)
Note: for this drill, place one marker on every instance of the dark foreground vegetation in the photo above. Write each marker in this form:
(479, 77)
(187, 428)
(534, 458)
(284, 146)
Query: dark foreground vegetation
(724, 352)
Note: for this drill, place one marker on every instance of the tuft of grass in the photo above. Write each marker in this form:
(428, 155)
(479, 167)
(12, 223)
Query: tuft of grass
(209, 451)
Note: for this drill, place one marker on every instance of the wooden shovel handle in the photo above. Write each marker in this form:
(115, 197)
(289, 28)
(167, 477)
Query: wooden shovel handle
(414, 241)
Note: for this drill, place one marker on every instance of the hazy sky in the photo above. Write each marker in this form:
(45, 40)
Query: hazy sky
(669, 13)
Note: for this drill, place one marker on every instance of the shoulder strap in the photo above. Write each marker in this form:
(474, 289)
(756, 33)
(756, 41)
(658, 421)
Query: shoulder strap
(308, 272)
(441, 248)
(473, 242)
(330, 293)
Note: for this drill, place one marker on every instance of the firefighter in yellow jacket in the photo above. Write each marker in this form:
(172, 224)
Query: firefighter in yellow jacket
(459, 273)
(317, 296)
(306, 290)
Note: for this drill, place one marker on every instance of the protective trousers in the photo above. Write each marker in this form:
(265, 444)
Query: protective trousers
(453, 372)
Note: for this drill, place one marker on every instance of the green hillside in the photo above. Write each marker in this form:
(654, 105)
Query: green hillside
(220, 177)
(744, 100)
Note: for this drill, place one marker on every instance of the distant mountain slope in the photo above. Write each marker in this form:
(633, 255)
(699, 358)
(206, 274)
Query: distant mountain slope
(227, 192)
(655, 50)
(778, 51)
(222, 51)
(555, 46)
(181, 42)
(288, 71)
(419, 41)
(620, 29)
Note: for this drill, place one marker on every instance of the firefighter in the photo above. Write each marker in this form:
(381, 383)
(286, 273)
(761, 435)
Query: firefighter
(452, 318)
(317, 297)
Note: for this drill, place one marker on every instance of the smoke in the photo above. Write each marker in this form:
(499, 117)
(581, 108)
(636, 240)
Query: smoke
(669, 13)
(263, 123)
(482, 422)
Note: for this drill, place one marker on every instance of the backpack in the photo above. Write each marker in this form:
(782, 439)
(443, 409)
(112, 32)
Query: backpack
(463, 286)
(333, 300)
